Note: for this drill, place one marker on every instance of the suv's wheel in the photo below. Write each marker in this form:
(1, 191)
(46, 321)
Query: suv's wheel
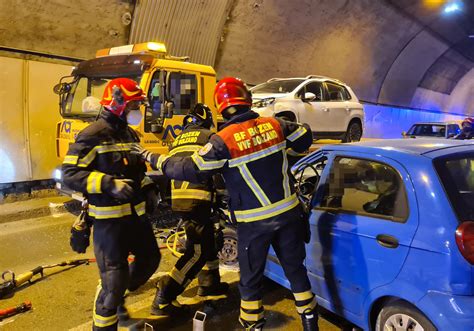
(228, 254)
(400, 316)
(353, 133)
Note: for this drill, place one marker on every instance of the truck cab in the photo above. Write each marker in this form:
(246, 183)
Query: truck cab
(173, 85)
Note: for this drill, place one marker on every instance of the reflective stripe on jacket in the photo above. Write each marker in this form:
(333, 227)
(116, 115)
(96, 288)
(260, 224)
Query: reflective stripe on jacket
(186, 196)
(251, 154)
(100, 154)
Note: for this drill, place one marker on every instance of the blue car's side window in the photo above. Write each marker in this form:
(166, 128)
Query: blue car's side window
(365, 187)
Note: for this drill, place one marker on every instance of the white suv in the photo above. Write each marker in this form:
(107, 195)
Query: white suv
(329, 106)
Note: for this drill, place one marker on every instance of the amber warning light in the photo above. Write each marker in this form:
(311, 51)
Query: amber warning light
(149, 47)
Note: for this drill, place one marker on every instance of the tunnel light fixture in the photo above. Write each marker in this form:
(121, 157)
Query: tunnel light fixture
(452, 7)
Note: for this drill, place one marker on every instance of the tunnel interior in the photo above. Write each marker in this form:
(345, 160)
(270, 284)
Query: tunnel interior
(407, 61)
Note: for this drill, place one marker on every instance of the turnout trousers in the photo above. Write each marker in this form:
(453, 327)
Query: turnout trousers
(285, 233)
(114, 240)
(199, 258)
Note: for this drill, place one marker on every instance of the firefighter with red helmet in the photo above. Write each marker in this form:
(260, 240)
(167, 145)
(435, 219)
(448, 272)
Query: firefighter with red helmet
(250, 152)
(467, 131)
(192, 202)
(99, 164)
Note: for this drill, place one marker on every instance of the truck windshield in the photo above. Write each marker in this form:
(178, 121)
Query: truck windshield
(84, 97)
(277, 86)
(457, 175)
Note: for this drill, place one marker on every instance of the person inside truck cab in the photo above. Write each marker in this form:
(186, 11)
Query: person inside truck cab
(155, 102)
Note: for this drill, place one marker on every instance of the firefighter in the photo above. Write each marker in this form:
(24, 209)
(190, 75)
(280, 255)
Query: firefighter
(250, 152)
(467, 131)
(99, 164)
(192, 202)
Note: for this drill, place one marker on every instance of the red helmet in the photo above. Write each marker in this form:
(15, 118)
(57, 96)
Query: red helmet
(119, 92)
(231, 91)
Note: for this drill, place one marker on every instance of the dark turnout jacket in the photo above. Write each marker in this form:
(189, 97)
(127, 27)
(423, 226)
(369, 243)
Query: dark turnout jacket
(186, 196)
(250, 152)
(100, 154)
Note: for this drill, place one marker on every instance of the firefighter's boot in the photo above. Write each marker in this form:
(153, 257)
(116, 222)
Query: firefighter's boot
(122, 313)
(165, 303)
(309, 320)
(252, 326)
(209, 280)
(172, 309)
(214, 290)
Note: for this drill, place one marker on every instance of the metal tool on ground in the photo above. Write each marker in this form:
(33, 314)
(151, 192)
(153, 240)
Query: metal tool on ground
(25, 306)
(11, 281)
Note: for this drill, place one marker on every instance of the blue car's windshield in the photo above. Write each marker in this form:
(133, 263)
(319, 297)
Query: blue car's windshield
(457, 174)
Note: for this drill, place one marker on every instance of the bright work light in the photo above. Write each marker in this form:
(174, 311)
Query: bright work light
(452, 7)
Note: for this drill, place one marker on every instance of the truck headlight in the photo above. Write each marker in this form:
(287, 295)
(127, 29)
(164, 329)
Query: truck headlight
(57, 174)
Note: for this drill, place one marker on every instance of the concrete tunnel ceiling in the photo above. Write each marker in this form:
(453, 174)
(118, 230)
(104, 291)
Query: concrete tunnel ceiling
(395, 52)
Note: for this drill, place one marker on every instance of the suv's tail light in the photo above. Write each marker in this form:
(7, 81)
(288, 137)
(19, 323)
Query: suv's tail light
(465, 240)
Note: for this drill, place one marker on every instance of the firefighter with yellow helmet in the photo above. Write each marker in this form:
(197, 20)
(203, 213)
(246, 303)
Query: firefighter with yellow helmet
(99, 164)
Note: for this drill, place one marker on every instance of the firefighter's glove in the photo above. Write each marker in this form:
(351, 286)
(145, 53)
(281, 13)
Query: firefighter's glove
(142, 152)
(80, 234)
(122, 189)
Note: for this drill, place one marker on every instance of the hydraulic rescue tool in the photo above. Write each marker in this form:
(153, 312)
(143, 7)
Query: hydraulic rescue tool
(7, 312)
(12, 281)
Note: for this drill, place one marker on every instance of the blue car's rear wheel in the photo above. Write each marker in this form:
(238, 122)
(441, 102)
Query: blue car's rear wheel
(401, 316)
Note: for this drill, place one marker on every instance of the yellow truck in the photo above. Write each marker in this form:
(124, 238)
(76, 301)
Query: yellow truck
(172, 84)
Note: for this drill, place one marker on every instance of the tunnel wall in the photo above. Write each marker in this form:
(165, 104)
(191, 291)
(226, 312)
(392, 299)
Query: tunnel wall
(389, 122)
(461, 99)
(28, 119)
(354, 41)
(69, 28)
(385, 55)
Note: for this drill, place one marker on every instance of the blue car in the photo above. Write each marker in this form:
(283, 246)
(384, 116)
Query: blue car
(392, 233)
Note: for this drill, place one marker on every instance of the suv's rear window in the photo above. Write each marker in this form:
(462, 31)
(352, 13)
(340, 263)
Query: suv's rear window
(457, 175)
(278, 86)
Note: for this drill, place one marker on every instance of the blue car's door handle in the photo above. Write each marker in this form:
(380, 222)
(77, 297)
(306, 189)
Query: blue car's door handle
(387, 241)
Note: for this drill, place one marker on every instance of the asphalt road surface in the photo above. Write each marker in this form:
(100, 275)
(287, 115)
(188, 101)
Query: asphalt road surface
(62, 299)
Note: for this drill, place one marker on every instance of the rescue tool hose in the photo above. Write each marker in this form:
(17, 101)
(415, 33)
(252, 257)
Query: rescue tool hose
(11, 281)
(172, 247)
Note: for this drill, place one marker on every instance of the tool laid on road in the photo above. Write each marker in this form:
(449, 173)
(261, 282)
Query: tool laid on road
(25, 306)
(12, 281)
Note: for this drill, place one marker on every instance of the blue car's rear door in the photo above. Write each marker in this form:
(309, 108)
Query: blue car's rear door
(363, 221)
